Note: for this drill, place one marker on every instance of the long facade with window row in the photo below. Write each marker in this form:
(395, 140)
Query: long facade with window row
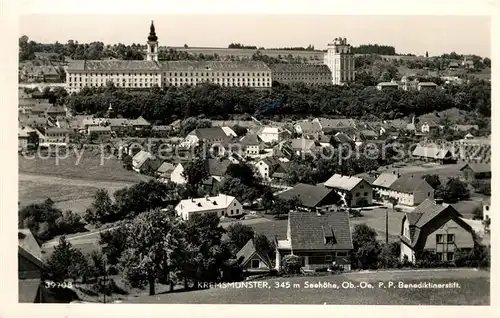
(148, 73)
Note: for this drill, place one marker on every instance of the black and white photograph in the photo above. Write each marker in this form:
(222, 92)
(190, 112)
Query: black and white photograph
(229, 159)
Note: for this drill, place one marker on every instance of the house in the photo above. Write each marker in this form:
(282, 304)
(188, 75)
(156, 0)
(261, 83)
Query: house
(23, 136)
(268, 166)
(384, 86)
(342, 138)
(382, 183)
(55, 136)
(330, 125)
(279, 173)
(367, 134)
(353, 191)
(269, 134)
(308, 128)
(429, 126)
(177, 175)
(408, 190)
(99, 131)
(250, 145)
(216, 167)
(468, 62)
(56, 111)
(40, 108)
(422, 86)
(465, 128)
(121, 126)
(164, 171)
(210, 136)
(251, 260)
(472, 171)
(441, 155)
(161, 130)
(140, 123)
(30, 266)
(434, 228)
(139, 160)
(223, 205)
(312, 198)
(319, 239)
(175, 125)
(453, 65)
(92, 122)
(298, 146)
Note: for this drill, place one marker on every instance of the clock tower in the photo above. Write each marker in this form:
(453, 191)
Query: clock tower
(152, 54)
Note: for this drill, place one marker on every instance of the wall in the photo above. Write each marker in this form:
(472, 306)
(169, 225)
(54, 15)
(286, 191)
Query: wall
(177, 175)
(26, 269)
(463, 238)
(262, 265)
(406, 250)
(362, 188)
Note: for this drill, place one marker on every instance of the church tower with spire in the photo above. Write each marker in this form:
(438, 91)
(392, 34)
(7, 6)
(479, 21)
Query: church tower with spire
(152, 54)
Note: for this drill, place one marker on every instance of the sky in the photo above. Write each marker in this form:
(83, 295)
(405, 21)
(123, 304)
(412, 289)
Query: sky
(408, 34)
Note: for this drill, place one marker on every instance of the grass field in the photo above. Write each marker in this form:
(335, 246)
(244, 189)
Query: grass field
(474, 290)
(88, 167)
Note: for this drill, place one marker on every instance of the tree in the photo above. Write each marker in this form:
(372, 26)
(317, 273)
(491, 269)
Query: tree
(155, 246)
(240, 131)
(426, 54)
(65, 262)
(33, 141)
(454, 191)
(205, 250)
(263, 245)
(389, 255)
(291, 264)
(366, 246)
(195, 172)
(242, 171)
(100, 209)
(433, 180)
(284, 206)
(239, 235)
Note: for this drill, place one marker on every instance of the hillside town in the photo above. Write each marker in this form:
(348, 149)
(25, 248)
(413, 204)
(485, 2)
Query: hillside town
(142, 177)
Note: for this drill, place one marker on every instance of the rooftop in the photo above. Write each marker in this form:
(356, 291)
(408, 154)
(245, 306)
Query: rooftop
(221, 201)
(342, 182)
(310, 195)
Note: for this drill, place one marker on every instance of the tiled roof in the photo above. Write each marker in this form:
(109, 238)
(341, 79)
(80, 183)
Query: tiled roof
(221, 201)
(24, 131)
(271, 161)
(478, 167)
(308, 231)
(299, 68)
(302, 144)
(165, 167)
(427, 84)
(27, 242)
(385, 180)
(56, 130)
(429, 210)
(338, 181)
(113, 65)
(218, 167)
(140, 122)
(34, 121)
(209, 133)
(248, 251)
(99, 128)
(250, 140)
(431, 152)
(466, 127)
(342, 138)
(408, 184)
(328, 123)
(367, 132)
(307, 126)
(310, 195)
(220, 66)
(141, 157)
(28, 290)
(388, 84)
(119, 122)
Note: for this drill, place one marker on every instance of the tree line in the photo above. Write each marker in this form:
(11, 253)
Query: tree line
(217, 102)
(374, 49)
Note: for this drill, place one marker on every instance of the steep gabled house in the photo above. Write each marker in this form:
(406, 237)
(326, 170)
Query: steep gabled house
(312, 198)
(30, 266)
(353, 191)
(252, 260)
(436, 229)
(409, 190)
(140, 159)
(383, 182)
(440, 155)
(473, 171)
(271, 168)
(140, 123)
(319, 239)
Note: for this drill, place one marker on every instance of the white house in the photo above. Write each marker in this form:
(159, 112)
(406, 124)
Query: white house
(269, 134)
(266, 167)
(408, 189)
(354, 191)
(222, 205)
(177, 175)
(140, 159)
(250, 145)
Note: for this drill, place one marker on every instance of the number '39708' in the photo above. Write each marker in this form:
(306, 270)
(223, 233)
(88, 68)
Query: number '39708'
(51, 284)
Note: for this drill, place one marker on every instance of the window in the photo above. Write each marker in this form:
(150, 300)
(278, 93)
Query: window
(439, 238)
(450, 238)
(255, 263)
(487, 208)
(341, 254)
(237, 211)
(357, 194)
(232, 212)
(428, 194)
(234, 204)
(365, 194)
(439, 256)
(328, 258)
(450, 256)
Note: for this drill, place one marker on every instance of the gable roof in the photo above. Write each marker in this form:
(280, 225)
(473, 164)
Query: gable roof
(141, 157)
(329, 123)
(369, 133)
(310, 195)
(338, 181)
(209, 133)
(308, 231)
(342, 138)
(431, 152)
(385, 180)
(250, 140)
(478, 167)
(309, 126)
(218, 167)
(140, 121)
(28, 247)
(165, 167)
(222, 201)
(247, 252)
(408, 183)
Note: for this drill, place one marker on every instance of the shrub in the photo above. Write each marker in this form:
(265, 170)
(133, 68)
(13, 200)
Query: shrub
(291, 264)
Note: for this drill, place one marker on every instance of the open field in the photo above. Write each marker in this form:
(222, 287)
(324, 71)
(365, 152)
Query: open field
(474, 289)
(88, 167)
(68, 193)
